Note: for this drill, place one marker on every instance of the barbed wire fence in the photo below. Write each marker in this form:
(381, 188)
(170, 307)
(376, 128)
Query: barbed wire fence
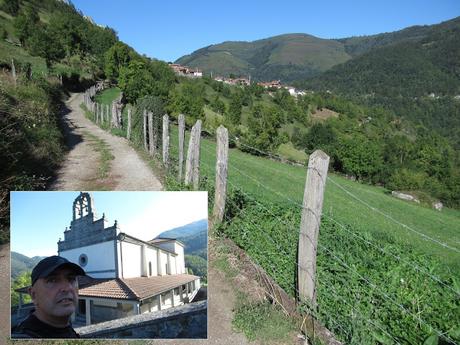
(353, 306)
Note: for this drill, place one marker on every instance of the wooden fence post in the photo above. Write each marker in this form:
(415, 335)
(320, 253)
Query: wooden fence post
(165, 140)
(221, 175)
(97, 113)
(196, 156)
(192, 165)
(13, 71)
(151, 142)
(144, 121)
(128, 133)
(113, 123)
(156, 126)
(181, 144)
(309, 226)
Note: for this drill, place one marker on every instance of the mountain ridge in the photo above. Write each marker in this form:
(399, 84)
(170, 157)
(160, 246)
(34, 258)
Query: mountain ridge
(296, 56)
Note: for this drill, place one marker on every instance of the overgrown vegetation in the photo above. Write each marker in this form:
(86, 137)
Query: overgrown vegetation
(31, 144)
(364, 297)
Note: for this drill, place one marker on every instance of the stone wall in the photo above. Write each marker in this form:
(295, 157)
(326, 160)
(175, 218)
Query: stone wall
(186, 321)
(84, 232)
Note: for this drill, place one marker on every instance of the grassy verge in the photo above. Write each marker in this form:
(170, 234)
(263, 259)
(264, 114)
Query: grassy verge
(31, 143)
(262, 321)
(257, 319)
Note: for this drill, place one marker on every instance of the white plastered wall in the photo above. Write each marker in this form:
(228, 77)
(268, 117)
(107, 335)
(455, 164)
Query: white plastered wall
(100, 259)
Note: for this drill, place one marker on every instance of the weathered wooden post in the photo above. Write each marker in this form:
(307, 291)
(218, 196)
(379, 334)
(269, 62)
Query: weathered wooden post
(128, 131)
(151, 142)
(144, 122)
(192, 165)
(107, 113)
(96, 113)
(181, 144)
(101, 115)
(13, 71)
(113, 123)
(221, 175)
(165, 140)
(309, 225)
(156, 126)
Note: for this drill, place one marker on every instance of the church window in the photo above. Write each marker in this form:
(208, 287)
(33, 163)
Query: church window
(83, 260)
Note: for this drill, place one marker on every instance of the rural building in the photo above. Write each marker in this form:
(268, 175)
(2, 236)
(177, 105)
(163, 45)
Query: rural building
(276, 84)
(127, 276)
(186, 71)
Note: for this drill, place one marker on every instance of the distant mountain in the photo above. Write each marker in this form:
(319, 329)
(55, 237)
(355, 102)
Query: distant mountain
(285, 57)
(420, 61)
(418, 79)
(298, 56)
(193, 235)
(21, 263)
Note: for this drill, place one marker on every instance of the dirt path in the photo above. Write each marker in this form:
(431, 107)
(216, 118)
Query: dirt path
(80, 170)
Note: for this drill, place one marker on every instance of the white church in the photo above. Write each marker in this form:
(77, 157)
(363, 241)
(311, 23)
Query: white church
(127, 276)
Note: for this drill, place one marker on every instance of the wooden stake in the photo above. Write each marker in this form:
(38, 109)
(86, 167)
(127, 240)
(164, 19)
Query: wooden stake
(310, 222)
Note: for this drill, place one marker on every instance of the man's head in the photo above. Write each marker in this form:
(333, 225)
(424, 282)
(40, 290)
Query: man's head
(54, 290)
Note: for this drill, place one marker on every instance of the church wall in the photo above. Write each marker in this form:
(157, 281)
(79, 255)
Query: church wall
(151, 256)
(163, 261)
(180, 259)
(173, 265)
(97, 265)
(131, 255)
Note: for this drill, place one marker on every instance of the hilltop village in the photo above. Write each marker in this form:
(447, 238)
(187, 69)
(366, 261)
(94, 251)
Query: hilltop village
(185, 71)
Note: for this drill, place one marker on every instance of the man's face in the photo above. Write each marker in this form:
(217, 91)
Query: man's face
(55, 297)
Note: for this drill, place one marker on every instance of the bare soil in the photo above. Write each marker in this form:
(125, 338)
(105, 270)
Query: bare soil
(80, 170)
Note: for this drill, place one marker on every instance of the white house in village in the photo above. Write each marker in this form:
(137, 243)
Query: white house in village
(127, 276)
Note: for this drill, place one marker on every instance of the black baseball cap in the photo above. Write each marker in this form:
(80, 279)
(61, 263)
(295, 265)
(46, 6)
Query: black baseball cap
(48, 265)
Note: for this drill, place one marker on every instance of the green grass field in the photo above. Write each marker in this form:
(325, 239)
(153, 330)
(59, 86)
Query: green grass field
(375, 211)
(108, 96)
(386, 269)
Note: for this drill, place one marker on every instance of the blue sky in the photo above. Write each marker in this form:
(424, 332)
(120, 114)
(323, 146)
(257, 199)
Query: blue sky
(38, 219)
(168, 30)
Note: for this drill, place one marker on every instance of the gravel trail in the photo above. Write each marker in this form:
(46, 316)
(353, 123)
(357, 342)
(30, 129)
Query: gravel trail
(80, 170)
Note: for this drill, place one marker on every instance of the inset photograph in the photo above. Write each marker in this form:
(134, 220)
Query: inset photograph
(123, 265)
